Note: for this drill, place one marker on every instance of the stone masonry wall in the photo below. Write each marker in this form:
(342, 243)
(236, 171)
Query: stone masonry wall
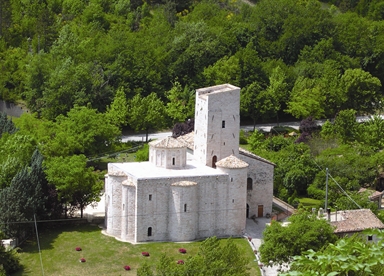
(262, 192)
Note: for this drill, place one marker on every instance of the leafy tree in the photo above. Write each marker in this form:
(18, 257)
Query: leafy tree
(117, 112)
(82, 131)
(181, 103)
(146, 113)
(76, 183)
(16, 151)
(361, 89)
(305, 231)
(346, 126)
(348, 256)
(370, 132)
(306, 99)
(224, 70)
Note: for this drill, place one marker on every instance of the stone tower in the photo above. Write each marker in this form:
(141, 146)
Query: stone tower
(217, 123)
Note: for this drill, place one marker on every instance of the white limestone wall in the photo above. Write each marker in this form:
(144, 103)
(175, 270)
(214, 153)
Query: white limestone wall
(152, 209)
(178, 155)
(128, 216)
(183, 212)
(213, 201)
(113, 193)
(237, 191)
(217, 123)
(262, 192)
(201, 128)
(162, 157)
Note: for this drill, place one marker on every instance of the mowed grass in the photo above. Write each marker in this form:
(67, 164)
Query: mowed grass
(104, 255)
(310, 202)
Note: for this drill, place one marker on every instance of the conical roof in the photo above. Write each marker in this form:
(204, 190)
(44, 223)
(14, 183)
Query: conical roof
(167, 143)
(231, 162)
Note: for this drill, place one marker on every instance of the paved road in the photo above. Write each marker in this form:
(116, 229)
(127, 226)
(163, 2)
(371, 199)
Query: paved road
(158, 135)
(264, 127)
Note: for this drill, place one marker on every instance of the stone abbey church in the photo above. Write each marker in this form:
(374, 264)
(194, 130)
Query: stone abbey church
(195, 186)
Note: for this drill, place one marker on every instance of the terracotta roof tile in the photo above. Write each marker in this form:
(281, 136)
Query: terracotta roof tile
(168, 142)
(355, 221)
(231, 162)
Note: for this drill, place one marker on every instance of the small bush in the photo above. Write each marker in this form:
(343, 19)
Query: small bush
(243, 138)
(142, 154)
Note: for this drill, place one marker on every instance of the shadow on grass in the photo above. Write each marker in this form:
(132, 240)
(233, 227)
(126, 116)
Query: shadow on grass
(48, 233)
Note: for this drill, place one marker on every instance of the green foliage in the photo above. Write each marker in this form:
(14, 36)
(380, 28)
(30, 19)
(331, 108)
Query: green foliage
(243, 139)
(76, 183)
(146, 113)
(20, 201)
(213, 258)
(348, 256)
(305, 231)
(9, 261)
(181, 105)
(142, 154)
(6, 125)
(117, 112)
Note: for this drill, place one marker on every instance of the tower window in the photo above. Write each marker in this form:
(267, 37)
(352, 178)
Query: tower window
(223, 124)
(231, 179)
(173, 161)
(150, 197)
(149, 231)
(185, 207)
(249, 184)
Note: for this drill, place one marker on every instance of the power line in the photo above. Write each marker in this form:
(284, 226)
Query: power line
(344, 192)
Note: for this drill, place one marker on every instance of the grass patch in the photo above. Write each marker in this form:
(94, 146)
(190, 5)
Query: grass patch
(104, 255)
(310, 202)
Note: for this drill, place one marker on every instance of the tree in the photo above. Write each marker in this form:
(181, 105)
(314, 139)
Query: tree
(370, 132)
(348, 256)
(181, 103)
(306, 99)
(83, 131)
(305, 231)
(77, 184)
(346, 126)
(6, 125)
(361, 90)
(19, 202)
(117, 112)
(256, 102)
(146, 113)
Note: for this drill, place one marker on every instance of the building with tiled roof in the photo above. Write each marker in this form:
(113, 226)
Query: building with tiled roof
(196, 186)
(354, 221)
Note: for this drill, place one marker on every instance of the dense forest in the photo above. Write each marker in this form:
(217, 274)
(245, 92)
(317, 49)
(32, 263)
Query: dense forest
(87, 69)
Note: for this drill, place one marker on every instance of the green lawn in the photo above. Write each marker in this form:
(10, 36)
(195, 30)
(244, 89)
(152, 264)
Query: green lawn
(310, 202)
(104, 255)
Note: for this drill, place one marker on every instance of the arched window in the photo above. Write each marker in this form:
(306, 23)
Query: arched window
(249, 184)
(214, 160)
(173, 161)
(185, 207)
(149, 231)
